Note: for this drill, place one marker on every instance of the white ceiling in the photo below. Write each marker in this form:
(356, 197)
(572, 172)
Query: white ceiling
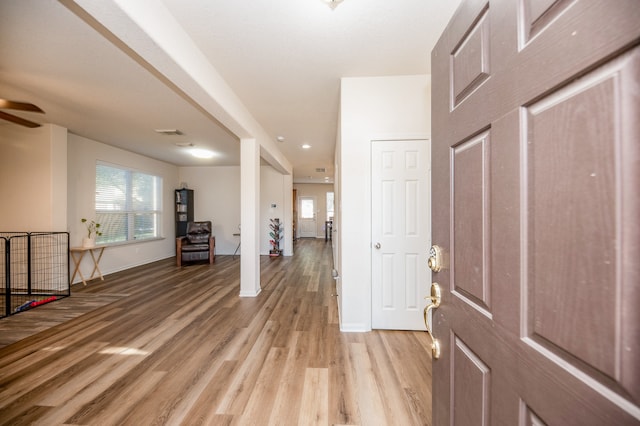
(282, 58)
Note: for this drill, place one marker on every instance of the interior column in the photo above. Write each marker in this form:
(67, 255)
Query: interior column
(287, 187)
(249, 218)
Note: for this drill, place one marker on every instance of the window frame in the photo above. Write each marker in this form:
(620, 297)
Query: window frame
(129, 210)
(331, 213)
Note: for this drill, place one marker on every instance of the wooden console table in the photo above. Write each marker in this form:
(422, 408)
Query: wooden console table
(77, 253)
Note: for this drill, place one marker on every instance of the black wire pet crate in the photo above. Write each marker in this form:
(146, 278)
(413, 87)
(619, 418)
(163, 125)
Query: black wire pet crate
(34, 269)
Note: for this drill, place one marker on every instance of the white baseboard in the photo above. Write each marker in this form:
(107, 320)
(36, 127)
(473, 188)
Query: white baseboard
(354, 328)
(250, 293)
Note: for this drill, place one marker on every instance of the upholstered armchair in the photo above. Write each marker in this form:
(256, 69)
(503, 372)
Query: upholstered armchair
(198, 244)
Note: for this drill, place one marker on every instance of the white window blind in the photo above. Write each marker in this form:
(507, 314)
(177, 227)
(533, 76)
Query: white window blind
(128, 204)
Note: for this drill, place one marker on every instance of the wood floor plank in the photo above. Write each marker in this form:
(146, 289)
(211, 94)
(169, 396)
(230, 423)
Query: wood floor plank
(395, 401)
(25, 324)
(314, 408)
(70, 404)
(239, 391)
(161, 344)
(28, 417)
(263, 394)
(370, 394)
(63, 334)
(343, 398)
(17, 384)
(286, 406)
(202, 412)
(25, 357)
(115, 410)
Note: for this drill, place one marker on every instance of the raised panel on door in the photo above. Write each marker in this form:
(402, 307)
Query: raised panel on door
(470, 391)
(582, 297)
(469, 166)
(536, 195)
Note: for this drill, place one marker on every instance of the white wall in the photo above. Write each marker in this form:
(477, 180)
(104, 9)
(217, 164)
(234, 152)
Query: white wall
(372, 108)
(319, 191)
(83, 154)
(216, 194)
(33, 178)
(217, 198)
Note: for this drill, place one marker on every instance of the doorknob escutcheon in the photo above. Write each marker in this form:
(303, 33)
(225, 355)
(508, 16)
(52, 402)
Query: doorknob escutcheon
(434, 301)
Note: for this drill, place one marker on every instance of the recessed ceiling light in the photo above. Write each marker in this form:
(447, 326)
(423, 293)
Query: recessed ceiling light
(201, 153)
(306, 146)
(280, 138)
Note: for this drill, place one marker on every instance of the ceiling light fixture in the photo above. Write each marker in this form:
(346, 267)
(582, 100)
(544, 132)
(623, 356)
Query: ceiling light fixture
(201, 153)
(280, 138)
(332, 3)
(306, 146)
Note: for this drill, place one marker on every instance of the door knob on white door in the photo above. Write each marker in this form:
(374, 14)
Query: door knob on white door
(377, 246)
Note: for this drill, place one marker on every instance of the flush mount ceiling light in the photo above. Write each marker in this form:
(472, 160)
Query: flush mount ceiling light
(201, 153)
(332, 3)
(280, 138)
(306, 146)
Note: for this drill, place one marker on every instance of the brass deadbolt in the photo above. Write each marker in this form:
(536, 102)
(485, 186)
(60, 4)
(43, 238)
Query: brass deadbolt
(435, 258)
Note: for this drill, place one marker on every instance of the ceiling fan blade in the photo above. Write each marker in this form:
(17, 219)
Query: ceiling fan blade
(21, 106)
(18, 120)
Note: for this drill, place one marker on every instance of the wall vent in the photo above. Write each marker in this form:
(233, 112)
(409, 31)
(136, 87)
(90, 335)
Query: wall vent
(321, 170)
(169, 132)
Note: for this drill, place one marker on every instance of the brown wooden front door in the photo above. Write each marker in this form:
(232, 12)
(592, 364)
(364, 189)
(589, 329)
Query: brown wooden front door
(536, 205)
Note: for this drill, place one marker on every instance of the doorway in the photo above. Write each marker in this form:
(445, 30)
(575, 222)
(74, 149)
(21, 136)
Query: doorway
(307, 217)
(400, 233)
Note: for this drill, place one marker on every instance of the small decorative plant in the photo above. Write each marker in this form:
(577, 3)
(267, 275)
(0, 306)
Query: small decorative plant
(93, 227)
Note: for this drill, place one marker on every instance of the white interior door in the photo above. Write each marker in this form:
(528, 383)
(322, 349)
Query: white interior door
(401, 226)
(307, 219)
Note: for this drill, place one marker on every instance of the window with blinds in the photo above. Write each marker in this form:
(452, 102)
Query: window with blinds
(128, 204)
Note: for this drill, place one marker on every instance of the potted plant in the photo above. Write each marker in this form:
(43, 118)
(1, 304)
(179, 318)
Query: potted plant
(93, 230)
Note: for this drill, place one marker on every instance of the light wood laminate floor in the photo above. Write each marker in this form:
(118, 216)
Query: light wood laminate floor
(160, 344)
